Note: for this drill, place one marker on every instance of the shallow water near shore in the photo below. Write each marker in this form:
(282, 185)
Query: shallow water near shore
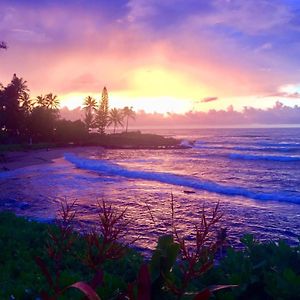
(254, 173)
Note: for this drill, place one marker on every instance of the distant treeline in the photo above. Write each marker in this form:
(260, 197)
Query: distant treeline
(24, 119)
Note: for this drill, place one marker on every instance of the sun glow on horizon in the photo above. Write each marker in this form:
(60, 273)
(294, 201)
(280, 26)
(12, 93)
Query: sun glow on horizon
(151, 89)
(162, 104)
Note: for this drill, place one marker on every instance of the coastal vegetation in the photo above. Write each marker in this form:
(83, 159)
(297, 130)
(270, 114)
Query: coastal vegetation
(26, 122)
(55, 262)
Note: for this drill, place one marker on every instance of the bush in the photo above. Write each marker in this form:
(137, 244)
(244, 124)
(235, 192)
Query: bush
(57, 263)
(262, 271)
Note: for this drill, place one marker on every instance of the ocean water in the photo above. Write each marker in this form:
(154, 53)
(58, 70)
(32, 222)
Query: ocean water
(254, 174)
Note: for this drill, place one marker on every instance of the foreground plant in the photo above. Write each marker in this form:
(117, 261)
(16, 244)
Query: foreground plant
(196, 259)
(269, 270)
(102, 244)
(59, 244)
(175, 263)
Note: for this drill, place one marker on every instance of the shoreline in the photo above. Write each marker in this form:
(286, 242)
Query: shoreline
(20, 159)
(24, 155)
(12, 160)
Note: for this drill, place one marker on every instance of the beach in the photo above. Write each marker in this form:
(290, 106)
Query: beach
(13, 160)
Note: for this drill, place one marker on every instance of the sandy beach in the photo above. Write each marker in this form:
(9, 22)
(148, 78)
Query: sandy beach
(20, 159)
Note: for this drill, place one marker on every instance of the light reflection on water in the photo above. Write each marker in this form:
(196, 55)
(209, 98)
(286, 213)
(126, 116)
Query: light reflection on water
(36, 191)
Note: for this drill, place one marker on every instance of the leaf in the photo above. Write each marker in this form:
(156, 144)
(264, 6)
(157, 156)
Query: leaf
(164, 256)
(44, 270)
(215, 288)
(248, 240)
(97, 280)
(86, 289)
(45, 296)
(144, 284)
(206, 293)
(130, 291)
(203, 295)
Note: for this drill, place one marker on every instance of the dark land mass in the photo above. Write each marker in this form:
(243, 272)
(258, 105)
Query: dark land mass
(13, 156)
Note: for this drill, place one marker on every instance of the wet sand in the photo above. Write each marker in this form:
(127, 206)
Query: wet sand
(20, 159)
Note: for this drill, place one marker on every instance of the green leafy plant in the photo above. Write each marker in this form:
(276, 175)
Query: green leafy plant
(268, 270)
(261, 270)
(175, 264)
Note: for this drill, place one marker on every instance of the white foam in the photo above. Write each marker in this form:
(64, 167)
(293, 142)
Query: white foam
(186, 143)
(179, 180)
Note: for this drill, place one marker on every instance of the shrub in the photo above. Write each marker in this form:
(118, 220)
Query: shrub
(268, 270)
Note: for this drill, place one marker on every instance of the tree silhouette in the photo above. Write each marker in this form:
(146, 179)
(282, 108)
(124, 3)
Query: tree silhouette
(26, 107)
(71, 131)
(20, 85)
(11, 113)
(90, 106)
(115, 117)
(52, 101)
(128, 112)
(102, 112)
(42, 124)
(25, 102)
(41, 101)
(90, 103)
(22, 118)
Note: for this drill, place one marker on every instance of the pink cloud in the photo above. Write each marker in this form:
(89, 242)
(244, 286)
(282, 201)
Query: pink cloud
(278, 114)
(209, 99)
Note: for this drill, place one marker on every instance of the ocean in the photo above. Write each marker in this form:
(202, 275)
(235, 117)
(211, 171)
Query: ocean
(254, 174)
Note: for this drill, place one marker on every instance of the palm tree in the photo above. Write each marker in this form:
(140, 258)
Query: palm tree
(115, 117)
(52, 101)
(41, 101)
(90, 106)
(25, 102)
(128, 113)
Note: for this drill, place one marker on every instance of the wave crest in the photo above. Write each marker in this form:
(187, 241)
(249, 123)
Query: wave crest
(178, 180)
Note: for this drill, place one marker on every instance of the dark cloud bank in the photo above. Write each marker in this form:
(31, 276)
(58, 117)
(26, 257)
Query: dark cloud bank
(278, 114)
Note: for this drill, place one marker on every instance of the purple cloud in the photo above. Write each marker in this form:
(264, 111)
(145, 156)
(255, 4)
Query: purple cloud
(295, 95)
(276, 115)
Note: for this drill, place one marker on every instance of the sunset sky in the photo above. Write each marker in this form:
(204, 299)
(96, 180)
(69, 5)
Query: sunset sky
(156, 55)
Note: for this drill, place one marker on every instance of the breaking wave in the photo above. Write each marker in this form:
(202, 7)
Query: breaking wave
(112, 169)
